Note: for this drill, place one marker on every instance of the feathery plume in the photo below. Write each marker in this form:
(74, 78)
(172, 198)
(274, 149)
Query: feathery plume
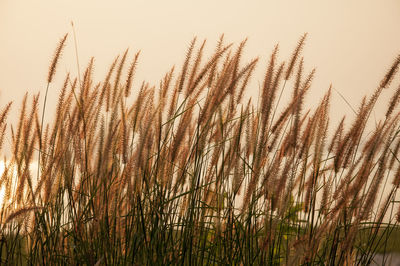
(194, 69)
(336, 136)
(131, 73)
(390, 73)
(115, 93)
(186, 65)
(294, 57)
(393, 102)
(57, 54)
(3, 117)
(20, 212)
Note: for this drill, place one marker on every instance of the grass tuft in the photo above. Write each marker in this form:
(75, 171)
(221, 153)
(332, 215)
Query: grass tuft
(191, 172)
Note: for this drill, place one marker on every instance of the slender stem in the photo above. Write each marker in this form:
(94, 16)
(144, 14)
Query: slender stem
(41, 133)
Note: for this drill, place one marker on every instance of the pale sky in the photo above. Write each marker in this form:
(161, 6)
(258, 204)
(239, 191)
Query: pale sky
(351, 43)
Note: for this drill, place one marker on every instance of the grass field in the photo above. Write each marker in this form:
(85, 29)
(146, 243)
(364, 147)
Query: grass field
(189, 171)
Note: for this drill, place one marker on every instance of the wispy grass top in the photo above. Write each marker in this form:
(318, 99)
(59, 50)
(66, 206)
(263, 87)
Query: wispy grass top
(189, 171)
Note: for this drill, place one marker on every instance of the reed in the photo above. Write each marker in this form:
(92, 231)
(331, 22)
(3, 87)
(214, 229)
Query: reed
(190, 171)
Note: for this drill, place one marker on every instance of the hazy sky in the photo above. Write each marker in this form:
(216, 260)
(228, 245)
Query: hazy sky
(352, 43)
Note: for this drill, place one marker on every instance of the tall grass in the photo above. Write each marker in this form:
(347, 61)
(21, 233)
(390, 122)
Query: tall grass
(190, 171)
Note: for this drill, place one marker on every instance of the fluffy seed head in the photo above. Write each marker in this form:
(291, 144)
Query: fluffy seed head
(57, 54)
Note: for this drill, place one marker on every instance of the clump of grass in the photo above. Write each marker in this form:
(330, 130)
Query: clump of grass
(191, 172)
